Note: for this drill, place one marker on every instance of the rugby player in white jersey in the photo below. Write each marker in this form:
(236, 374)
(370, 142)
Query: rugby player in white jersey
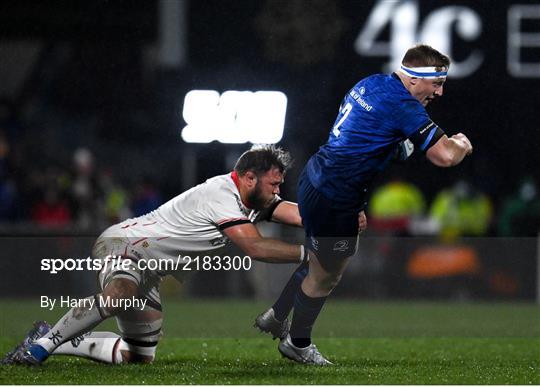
(200, 220)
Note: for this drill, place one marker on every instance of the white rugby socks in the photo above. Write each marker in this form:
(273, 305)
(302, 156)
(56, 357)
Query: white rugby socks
(74, 323)
(100, 346)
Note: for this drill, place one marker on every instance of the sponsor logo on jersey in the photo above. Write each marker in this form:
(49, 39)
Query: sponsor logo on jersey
(362, 90)
(356, 96)
(342, 245)
(220, 241)
(429, 126)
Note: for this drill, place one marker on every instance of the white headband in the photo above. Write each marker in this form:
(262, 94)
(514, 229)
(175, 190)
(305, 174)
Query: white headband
(423, 72)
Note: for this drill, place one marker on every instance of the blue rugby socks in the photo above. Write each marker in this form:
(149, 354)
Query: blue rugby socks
(282, 307)
(306, 311)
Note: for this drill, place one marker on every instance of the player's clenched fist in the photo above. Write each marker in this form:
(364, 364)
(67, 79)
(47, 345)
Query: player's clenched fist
(464, 141)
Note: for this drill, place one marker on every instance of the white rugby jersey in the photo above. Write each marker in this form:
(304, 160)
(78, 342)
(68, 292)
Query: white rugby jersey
(191, 223)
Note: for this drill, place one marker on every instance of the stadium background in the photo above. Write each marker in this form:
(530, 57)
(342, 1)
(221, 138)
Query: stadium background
(91, 116)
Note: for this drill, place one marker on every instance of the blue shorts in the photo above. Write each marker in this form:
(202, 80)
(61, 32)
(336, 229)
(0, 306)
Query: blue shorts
(331, 233)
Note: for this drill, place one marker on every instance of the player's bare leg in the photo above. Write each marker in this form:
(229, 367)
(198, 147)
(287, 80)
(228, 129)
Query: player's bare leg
(320, 282)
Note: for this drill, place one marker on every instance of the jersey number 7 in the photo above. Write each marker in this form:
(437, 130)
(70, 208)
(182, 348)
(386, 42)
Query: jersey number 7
(345, 112)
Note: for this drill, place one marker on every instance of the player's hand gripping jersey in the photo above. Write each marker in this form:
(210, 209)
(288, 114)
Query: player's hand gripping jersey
(375, 116)
(189, 224)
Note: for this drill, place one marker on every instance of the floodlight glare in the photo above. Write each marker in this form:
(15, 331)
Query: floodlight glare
(235, 117)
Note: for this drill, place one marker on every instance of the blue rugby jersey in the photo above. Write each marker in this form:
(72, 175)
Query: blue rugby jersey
(376, 114)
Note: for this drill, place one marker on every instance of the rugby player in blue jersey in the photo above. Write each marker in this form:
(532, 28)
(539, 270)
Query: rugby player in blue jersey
(381, 115)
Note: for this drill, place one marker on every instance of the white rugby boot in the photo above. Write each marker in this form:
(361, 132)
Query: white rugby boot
(308, 355)
(268, 323)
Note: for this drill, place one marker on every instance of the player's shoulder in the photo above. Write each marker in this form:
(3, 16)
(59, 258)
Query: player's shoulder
(383, 92)
(220, 197)
(219, 191)
(385, 84)
(219, 186)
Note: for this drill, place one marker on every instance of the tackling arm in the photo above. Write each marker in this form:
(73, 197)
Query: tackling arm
(287, 213)
(247, 237)
(449, 151)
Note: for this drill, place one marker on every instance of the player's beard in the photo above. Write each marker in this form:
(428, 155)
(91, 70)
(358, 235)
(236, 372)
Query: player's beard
(255, 199)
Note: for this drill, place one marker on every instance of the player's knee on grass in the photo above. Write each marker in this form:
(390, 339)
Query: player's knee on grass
(135, 351)
(141, 332)
(135, 358)
(119, 289)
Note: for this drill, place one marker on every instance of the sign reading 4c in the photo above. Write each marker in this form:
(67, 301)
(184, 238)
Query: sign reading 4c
(437, 29)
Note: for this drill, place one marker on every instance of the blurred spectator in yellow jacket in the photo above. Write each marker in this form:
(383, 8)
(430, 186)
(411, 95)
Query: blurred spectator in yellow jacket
(394, 204)
(462, 211)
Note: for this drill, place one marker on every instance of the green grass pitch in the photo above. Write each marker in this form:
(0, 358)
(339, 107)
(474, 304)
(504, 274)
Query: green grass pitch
(213, 342)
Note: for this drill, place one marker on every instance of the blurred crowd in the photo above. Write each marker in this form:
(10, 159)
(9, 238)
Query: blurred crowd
(84, 195)
(461, 210)
(77, 195)
(453, 254)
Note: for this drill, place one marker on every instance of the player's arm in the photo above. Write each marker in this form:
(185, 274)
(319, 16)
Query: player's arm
(247, 237)
(449, 151)
(441, 150)
(287, 213)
